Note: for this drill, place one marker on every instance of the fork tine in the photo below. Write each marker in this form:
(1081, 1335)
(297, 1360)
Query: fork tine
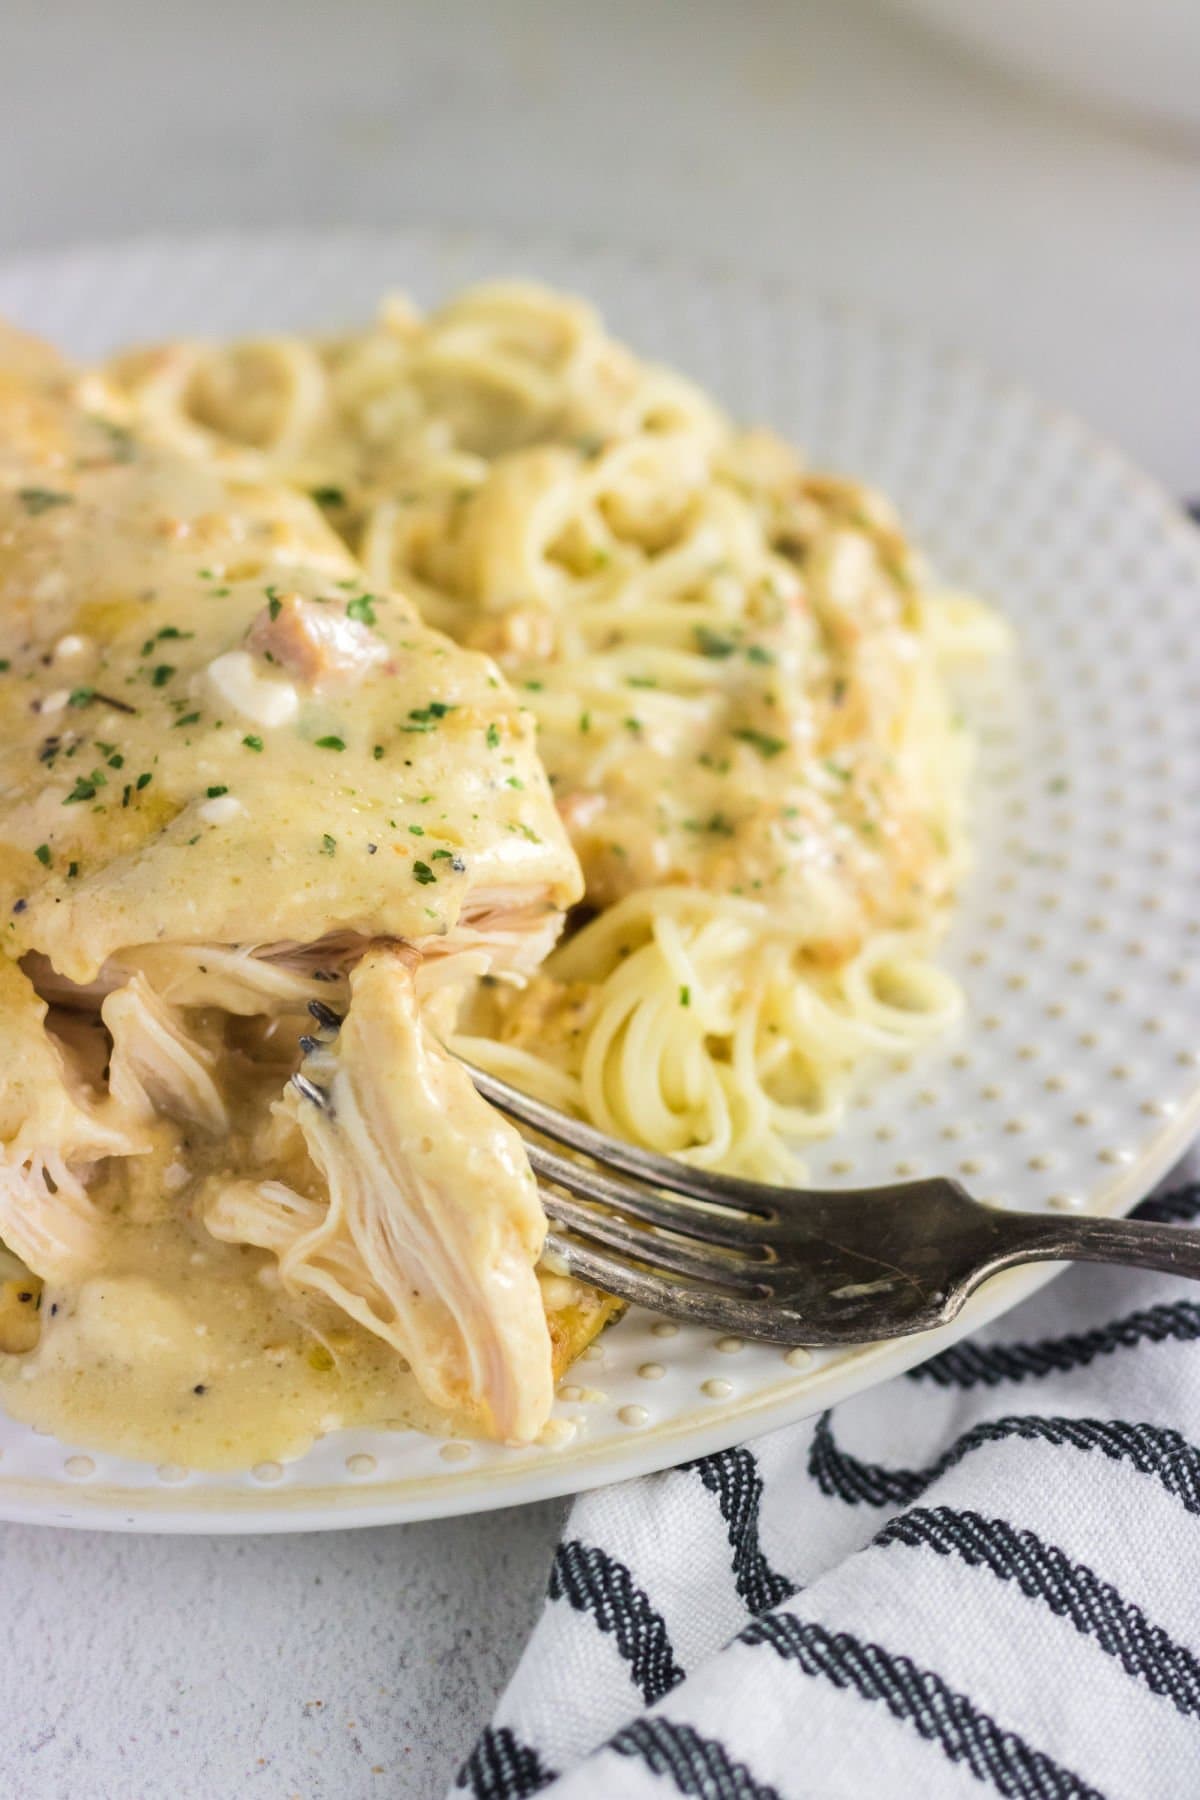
(740, 1273)
(678, 1297)
(660, 1171)
(709, 1227)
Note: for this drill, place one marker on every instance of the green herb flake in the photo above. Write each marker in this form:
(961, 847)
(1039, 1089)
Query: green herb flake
(252, 741)
(72, 870)
(423, 873)
(362, 608)
(143, 780)
(759, 740)
(191, 718)
(162, 675)
(328, 496)
(274, 606)
(758, 653)
(116, 760)
(328, 844)
(493, 737)
(714, 643)
(81, 696)
(685, 996)
(424, 718)
(43, 855)
(214, 793)
(377, 753)
(330, 743)
(37, 500)
(417, 830)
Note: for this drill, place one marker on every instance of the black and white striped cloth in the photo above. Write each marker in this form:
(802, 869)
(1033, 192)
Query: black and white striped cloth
(982, 1576)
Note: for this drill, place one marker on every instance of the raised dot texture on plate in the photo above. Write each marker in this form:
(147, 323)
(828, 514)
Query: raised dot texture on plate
(971, 463)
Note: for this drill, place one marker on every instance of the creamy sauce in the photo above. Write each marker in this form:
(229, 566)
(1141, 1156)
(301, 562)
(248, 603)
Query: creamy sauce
(186, 1350)
(216, 741)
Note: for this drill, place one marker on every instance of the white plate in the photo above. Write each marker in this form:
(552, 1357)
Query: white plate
(1077, 1077)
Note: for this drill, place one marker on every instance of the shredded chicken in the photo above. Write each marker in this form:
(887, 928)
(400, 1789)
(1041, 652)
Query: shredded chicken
(407, 1243)
(157, 1066)
(317, 644)
(51, 1131)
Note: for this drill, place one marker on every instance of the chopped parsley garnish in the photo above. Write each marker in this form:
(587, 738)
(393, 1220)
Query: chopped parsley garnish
(330, 743)
(534, 687)
(423, 873)
(162, 674)
(43, 855)
(377, 753)
(493, 737)
(585, 721)
(252, 742)
(274, 606)
(760, 741)
(328, 496)
(685, 996)
(37, 500)
(5, 665)
(121, 439)
(116, 760)
(72, 870)
(84, 789)
(758, 653)
(641, 681)
(424, 718)
(192, 718)
(716, 823)
(514, 781)
(714, 643)
(417, 830)
(81, 696)
(328, 844)
(362, 608)
(143, 780)
(214, 793)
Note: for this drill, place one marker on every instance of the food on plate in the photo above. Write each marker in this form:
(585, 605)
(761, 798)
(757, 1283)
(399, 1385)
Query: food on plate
(738, 669)
(340, 676)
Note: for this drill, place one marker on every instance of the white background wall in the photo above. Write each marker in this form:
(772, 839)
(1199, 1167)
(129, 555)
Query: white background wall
(821, 139)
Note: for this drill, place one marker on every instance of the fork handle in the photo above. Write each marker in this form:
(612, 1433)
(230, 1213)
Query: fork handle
(1133, 1243)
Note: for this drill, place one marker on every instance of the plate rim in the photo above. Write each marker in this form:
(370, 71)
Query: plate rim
(183, 1511)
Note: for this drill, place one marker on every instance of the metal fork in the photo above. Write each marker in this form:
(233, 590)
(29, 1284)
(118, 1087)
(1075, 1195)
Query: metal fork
(795, 1265)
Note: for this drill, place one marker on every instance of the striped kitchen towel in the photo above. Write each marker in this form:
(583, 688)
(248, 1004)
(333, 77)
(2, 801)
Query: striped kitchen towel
(983, 1576)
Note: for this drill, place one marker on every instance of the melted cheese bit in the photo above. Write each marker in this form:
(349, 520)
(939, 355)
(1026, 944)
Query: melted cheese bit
(264, 699)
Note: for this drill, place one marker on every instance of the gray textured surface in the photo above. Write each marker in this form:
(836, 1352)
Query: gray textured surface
(327, 1667)
(818, 139)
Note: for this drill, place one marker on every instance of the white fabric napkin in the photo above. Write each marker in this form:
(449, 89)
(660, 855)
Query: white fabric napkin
(983, 1576)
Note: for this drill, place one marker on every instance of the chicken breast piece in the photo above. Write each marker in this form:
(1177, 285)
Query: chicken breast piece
(432, 1225)
(231, 781)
